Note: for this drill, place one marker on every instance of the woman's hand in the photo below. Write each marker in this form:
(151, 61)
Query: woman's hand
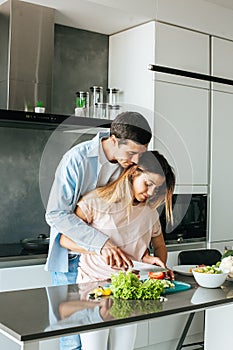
(154, 260)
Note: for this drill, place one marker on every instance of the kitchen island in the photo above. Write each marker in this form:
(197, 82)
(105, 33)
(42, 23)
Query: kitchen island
(28, 316)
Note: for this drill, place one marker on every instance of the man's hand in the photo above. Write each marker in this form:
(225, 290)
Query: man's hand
(114, 256)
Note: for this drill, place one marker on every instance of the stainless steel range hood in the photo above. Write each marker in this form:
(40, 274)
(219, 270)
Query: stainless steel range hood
(26, 59)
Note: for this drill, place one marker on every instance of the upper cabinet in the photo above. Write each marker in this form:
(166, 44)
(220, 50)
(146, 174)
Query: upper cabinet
(178, 107)
(181, 49)
(221, 185)
(222, 62)
(181, 131)
(130, 53)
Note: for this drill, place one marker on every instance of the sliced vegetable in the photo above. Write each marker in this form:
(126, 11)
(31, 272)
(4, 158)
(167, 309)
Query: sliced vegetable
(157, 275)
(208, 269)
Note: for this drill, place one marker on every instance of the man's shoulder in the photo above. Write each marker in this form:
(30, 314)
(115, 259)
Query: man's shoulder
(87, 148)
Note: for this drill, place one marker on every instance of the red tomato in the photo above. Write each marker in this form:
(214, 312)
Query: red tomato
(156, 275)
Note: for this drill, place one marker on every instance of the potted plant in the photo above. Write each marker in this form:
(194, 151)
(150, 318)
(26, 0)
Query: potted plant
(39, 107)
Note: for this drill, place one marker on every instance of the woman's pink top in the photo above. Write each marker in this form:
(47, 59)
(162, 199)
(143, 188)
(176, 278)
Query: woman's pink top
(131, 233)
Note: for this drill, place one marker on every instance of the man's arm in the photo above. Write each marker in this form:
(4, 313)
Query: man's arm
(65, 192)
(112, 254)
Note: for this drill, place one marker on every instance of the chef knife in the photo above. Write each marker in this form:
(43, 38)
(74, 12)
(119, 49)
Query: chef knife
(143, 267)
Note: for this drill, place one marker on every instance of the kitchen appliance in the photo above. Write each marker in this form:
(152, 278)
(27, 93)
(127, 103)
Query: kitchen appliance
(27, 50)
(190, 219)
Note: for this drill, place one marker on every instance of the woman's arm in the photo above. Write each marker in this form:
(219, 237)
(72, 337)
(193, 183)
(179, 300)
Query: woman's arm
(159, 250)
(67, 243)
(159, 247)
(160, 255)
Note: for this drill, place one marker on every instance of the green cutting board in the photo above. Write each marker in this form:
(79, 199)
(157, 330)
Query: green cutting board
(179, 287)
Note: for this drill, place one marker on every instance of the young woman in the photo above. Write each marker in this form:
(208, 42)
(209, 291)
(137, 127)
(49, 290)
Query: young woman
(126, 212)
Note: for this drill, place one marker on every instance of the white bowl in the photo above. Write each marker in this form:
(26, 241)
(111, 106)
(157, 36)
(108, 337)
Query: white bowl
(210, 280)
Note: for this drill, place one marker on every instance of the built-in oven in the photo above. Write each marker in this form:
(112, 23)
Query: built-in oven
(190, 219)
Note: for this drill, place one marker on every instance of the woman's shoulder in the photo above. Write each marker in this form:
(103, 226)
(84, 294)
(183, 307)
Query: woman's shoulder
(90, 196)
(152, 212)
(93, 200)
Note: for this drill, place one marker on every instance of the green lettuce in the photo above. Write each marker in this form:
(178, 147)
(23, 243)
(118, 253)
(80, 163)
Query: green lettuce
(126, 285)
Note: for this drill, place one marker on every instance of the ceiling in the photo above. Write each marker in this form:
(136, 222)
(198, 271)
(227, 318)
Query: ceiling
(98, 15)
(224, 3)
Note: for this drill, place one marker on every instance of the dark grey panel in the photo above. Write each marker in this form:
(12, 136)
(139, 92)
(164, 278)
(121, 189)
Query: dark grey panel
(28, 160)
(80, 61)
(22, 211)
(4, 40)
(3, 94)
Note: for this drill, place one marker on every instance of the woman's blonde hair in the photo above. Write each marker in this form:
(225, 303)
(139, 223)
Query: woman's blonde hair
(121, 189)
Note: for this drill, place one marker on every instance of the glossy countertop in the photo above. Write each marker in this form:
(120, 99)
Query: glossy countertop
(53, 311)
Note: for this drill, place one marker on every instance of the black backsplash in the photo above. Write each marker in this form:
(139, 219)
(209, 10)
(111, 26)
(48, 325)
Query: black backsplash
(26, 180)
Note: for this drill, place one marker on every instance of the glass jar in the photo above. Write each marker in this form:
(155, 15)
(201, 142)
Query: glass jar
(102, 111)
(96, 95)
(82, 99)
(113, 111)
(82, 103)
(113, 96)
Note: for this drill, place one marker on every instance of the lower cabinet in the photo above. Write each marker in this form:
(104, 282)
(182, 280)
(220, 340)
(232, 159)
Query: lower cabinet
(164, 333)
(24, 277)
(142, 335)
(218, 326)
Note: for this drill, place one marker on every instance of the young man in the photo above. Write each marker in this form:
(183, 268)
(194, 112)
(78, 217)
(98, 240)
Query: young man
(88, 165)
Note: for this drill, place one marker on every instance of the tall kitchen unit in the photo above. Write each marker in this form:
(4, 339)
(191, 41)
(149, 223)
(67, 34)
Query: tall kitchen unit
(180, 110)
(221, 168)
(221, 184)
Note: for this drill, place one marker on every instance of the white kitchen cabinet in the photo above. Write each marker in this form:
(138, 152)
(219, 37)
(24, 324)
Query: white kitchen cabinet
(181, 130)
(221, 184)
(183, 49)
(132, 50)
(24, 277)
(130, 53)
(222, 62)
(169, 328)
(221, 245)
(200, 15)
(218, 321)
(142, 335)
(178, 113)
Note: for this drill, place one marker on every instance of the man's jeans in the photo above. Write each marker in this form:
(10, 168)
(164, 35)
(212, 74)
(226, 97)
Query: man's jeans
(71, 342)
